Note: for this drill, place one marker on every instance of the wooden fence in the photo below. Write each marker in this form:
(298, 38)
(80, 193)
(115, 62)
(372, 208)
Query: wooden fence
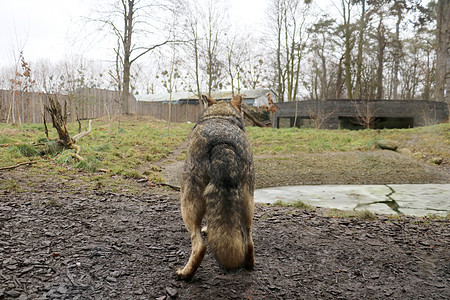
(86, 104)
(180, 113)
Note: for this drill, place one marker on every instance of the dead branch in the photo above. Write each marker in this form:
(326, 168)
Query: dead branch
(173, 187)
(8, 145)
(77, 152)
(59, 120)
(80, 135)
(18, 165)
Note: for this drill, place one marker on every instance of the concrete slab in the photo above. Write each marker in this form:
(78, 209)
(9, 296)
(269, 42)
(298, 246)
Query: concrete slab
(409, 199)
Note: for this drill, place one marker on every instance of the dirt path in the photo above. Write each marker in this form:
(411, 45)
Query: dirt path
(74, 243)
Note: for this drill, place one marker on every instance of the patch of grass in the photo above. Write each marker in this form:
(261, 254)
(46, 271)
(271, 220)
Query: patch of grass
(90, 164)
(51, 147)
(437, 217)
(52, 203)
(65, 158)
(102, 148)
(432, 140)
(297, 204)
(366, 215)
(27, 150)
(132, 174)
(10, 186)
(395, 217)
(360, 214)
(4, 139)
(153, 176)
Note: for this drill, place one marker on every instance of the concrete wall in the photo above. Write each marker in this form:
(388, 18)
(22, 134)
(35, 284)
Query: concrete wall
(334, 114)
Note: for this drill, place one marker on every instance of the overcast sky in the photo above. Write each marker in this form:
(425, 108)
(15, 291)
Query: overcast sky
(47, 28)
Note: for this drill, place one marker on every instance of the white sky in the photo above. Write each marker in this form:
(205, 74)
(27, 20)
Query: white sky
(46, 28)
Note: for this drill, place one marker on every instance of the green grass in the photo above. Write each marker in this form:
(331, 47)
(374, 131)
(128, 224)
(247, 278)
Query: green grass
(124, 151)
(432, 140)
(10, 186)
(359, 214)
(297, 204)
(139, 143)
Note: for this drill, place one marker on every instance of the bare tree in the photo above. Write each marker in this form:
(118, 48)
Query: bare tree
(359, 58)
(366, 111)
(130, 21)
(22, 83)
(214, 31)
(192, 35)
(381, 39)
(318, 115)
(236, 53)
(322, 39)
(289, 19)
(346, 13)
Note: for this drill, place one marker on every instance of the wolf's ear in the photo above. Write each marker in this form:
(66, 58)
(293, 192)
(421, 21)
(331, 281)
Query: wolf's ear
(237, 102)
(208, 100)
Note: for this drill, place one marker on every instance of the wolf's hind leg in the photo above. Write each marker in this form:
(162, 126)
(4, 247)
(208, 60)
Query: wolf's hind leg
(192, 212)
(250, 256)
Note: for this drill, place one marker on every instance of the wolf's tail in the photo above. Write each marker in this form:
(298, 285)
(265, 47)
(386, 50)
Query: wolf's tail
(226, 235)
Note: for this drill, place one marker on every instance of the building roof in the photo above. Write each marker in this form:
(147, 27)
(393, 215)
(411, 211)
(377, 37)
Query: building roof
(258, 97)
(163, 97)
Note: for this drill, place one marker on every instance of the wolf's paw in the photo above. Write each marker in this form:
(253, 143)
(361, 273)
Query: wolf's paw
(249, 266)
(205, 230)
(183, 275)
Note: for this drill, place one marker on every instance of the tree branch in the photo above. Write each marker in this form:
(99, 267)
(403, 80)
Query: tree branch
(18, 165)
(80, 135)
(149, 49)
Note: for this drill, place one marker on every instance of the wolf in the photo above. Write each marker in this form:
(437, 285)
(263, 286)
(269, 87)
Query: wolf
(218, 182)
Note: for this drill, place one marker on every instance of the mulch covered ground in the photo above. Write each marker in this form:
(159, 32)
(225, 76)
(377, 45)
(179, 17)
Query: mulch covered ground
(74, 243)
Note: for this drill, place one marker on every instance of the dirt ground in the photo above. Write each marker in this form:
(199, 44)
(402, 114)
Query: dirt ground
(66, 241)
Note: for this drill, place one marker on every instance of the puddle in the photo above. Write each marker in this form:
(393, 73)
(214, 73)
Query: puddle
(407, 199)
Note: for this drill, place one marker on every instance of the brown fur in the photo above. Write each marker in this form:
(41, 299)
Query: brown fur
(218, 181)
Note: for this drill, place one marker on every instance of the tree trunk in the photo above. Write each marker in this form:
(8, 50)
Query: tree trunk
(280, 83)
(362, 27)
(339, 83)
(128, 30)
(397, 52)
(443, 51)
(348, 49)
(380, 58)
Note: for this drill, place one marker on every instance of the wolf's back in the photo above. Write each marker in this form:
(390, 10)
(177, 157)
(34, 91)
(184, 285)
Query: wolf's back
(227, 194)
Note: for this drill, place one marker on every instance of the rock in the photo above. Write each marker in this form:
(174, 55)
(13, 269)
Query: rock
(13, 293)
(436, 160)
(62, 290)
(387, 144)
(405, 151)
(171, 292)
